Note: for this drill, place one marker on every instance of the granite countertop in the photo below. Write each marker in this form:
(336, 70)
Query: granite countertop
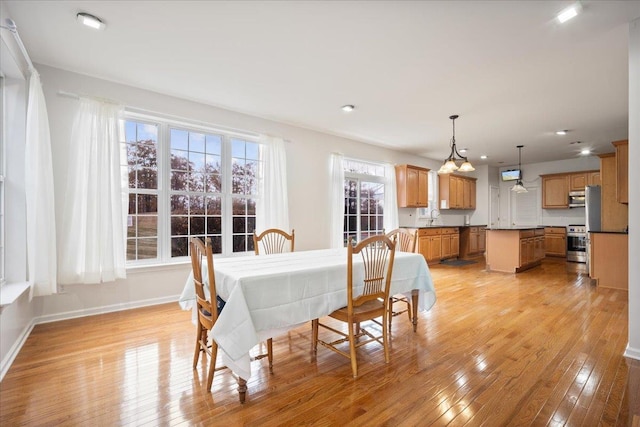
(441, 226)
(520, 227)
(611, 232)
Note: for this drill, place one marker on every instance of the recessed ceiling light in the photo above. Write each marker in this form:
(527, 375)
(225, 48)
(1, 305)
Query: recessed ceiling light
(90, 21)
(585, 151)
(570, 12)
(561, 132)
(463, 150)
(348, 108)
(483, 157)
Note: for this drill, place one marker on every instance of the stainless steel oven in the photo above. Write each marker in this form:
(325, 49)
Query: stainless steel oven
(577, 243)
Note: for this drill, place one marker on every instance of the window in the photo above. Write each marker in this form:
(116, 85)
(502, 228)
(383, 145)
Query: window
(2, 157)
(431, 212)
(188, 181)
(363, 199)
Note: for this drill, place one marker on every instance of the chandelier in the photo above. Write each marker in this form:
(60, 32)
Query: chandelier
(449, 165)
(518, 187)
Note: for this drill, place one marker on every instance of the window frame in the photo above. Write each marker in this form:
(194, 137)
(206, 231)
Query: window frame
(359, 178)
(164, 191)
(3, 138)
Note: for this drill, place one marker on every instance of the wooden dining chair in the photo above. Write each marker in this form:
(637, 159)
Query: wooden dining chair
(406, 242)
(366, 301)
(274, 241)
(208, 311)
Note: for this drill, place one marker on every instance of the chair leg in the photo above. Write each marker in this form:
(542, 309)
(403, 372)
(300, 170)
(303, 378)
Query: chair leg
(352, 349)
(196, 353)
(270, 354)
(408, 311)
(212, 364)
(385, 339)
(314, 335)
(390, 312)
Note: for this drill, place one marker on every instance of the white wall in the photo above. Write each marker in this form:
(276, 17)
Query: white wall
(633, 347)
(307, 167)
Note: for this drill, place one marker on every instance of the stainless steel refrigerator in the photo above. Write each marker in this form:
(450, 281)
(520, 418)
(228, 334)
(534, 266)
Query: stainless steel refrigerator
(592, 218)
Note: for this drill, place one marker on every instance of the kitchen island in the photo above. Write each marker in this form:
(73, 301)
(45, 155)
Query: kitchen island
(514, 249)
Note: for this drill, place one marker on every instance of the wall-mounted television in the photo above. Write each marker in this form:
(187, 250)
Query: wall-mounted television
(511, 175)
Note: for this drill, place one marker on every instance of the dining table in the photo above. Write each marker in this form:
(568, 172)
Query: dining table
(267, 295)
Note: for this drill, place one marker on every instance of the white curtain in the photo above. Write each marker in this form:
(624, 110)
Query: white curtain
(390, 199)
(41, 224)
(337, 201)
(92, 244)
(272, 207)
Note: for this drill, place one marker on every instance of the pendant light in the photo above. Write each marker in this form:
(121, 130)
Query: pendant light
(518, 187)
(449, 165)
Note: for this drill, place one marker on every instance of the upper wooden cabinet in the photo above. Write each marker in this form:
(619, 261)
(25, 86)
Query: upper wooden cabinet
(456, 192)
(578, 181)
(555, 191)
(622, 170)
(556, 187)
(412, 183)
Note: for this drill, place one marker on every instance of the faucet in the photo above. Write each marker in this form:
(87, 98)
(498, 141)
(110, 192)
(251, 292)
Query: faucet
(431, 218)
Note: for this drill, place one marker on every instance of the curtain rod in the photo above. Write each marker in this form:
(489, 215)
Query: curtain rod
(11, 26)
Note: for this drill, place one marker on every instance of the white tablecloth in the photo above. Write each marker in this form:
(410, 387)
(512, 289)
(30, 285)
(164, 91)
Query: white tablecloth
(268, 294)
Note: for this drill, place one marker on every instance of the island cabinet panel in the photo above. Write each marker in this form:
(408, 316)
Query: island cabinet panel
(609, 260)
(514, 250)
(555, 241)
(412, 186)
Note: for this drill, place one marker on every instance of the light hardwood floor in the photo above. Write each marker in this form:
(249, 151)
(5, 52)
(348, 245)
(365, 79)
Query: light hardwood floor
(543, 347)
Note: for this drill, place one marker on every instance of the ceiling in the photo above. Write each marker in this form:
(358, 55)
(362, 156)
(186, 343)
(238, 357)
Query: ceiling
(508, 68)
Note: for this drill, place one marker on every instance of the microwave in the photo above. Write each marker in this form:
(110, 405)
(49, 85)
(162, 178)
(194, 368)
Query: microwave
(577, 199)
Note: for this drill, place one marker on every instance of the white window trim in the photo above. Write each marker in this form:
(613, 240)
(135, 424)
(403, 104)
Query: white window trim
(165, 123)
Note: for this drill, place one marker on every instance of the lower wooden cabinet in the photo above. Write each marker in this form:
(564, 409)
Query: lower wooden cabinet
(555, 241)
(472, 241)
(439, 243)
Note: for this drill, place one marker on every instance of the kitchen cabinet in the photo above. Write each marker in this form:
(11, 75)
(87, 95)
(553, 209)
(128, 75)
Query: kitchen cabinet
(609, 259)
(622, 171)
(556, 187)
(450, 247)
(613, 214)
(514, 250)
(555, 191)
(578, 181)
(457, 192)
(412, 186)
(555, 241)
(472, 241)
(438, 243)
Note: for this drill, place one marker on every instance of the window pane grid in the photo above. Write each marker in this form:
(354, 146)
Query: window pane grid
(141, 144)
(364, 200)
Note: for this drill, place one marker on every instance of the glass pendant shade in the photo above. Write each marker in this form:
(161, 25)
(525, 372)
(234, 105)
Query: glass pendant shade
(449, 164)
(519, 188)
(466, 167)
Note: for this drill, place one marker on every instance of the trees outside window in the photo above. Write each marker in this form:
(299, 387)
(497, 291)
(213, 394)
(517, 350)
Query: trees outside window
(211, 188)
(363, 199)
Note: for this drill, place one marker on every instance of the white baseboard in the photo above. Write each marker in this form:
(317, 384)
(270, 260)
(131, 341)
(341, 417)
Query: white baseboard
(632, 353)
(105, 309)
(15, 349)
